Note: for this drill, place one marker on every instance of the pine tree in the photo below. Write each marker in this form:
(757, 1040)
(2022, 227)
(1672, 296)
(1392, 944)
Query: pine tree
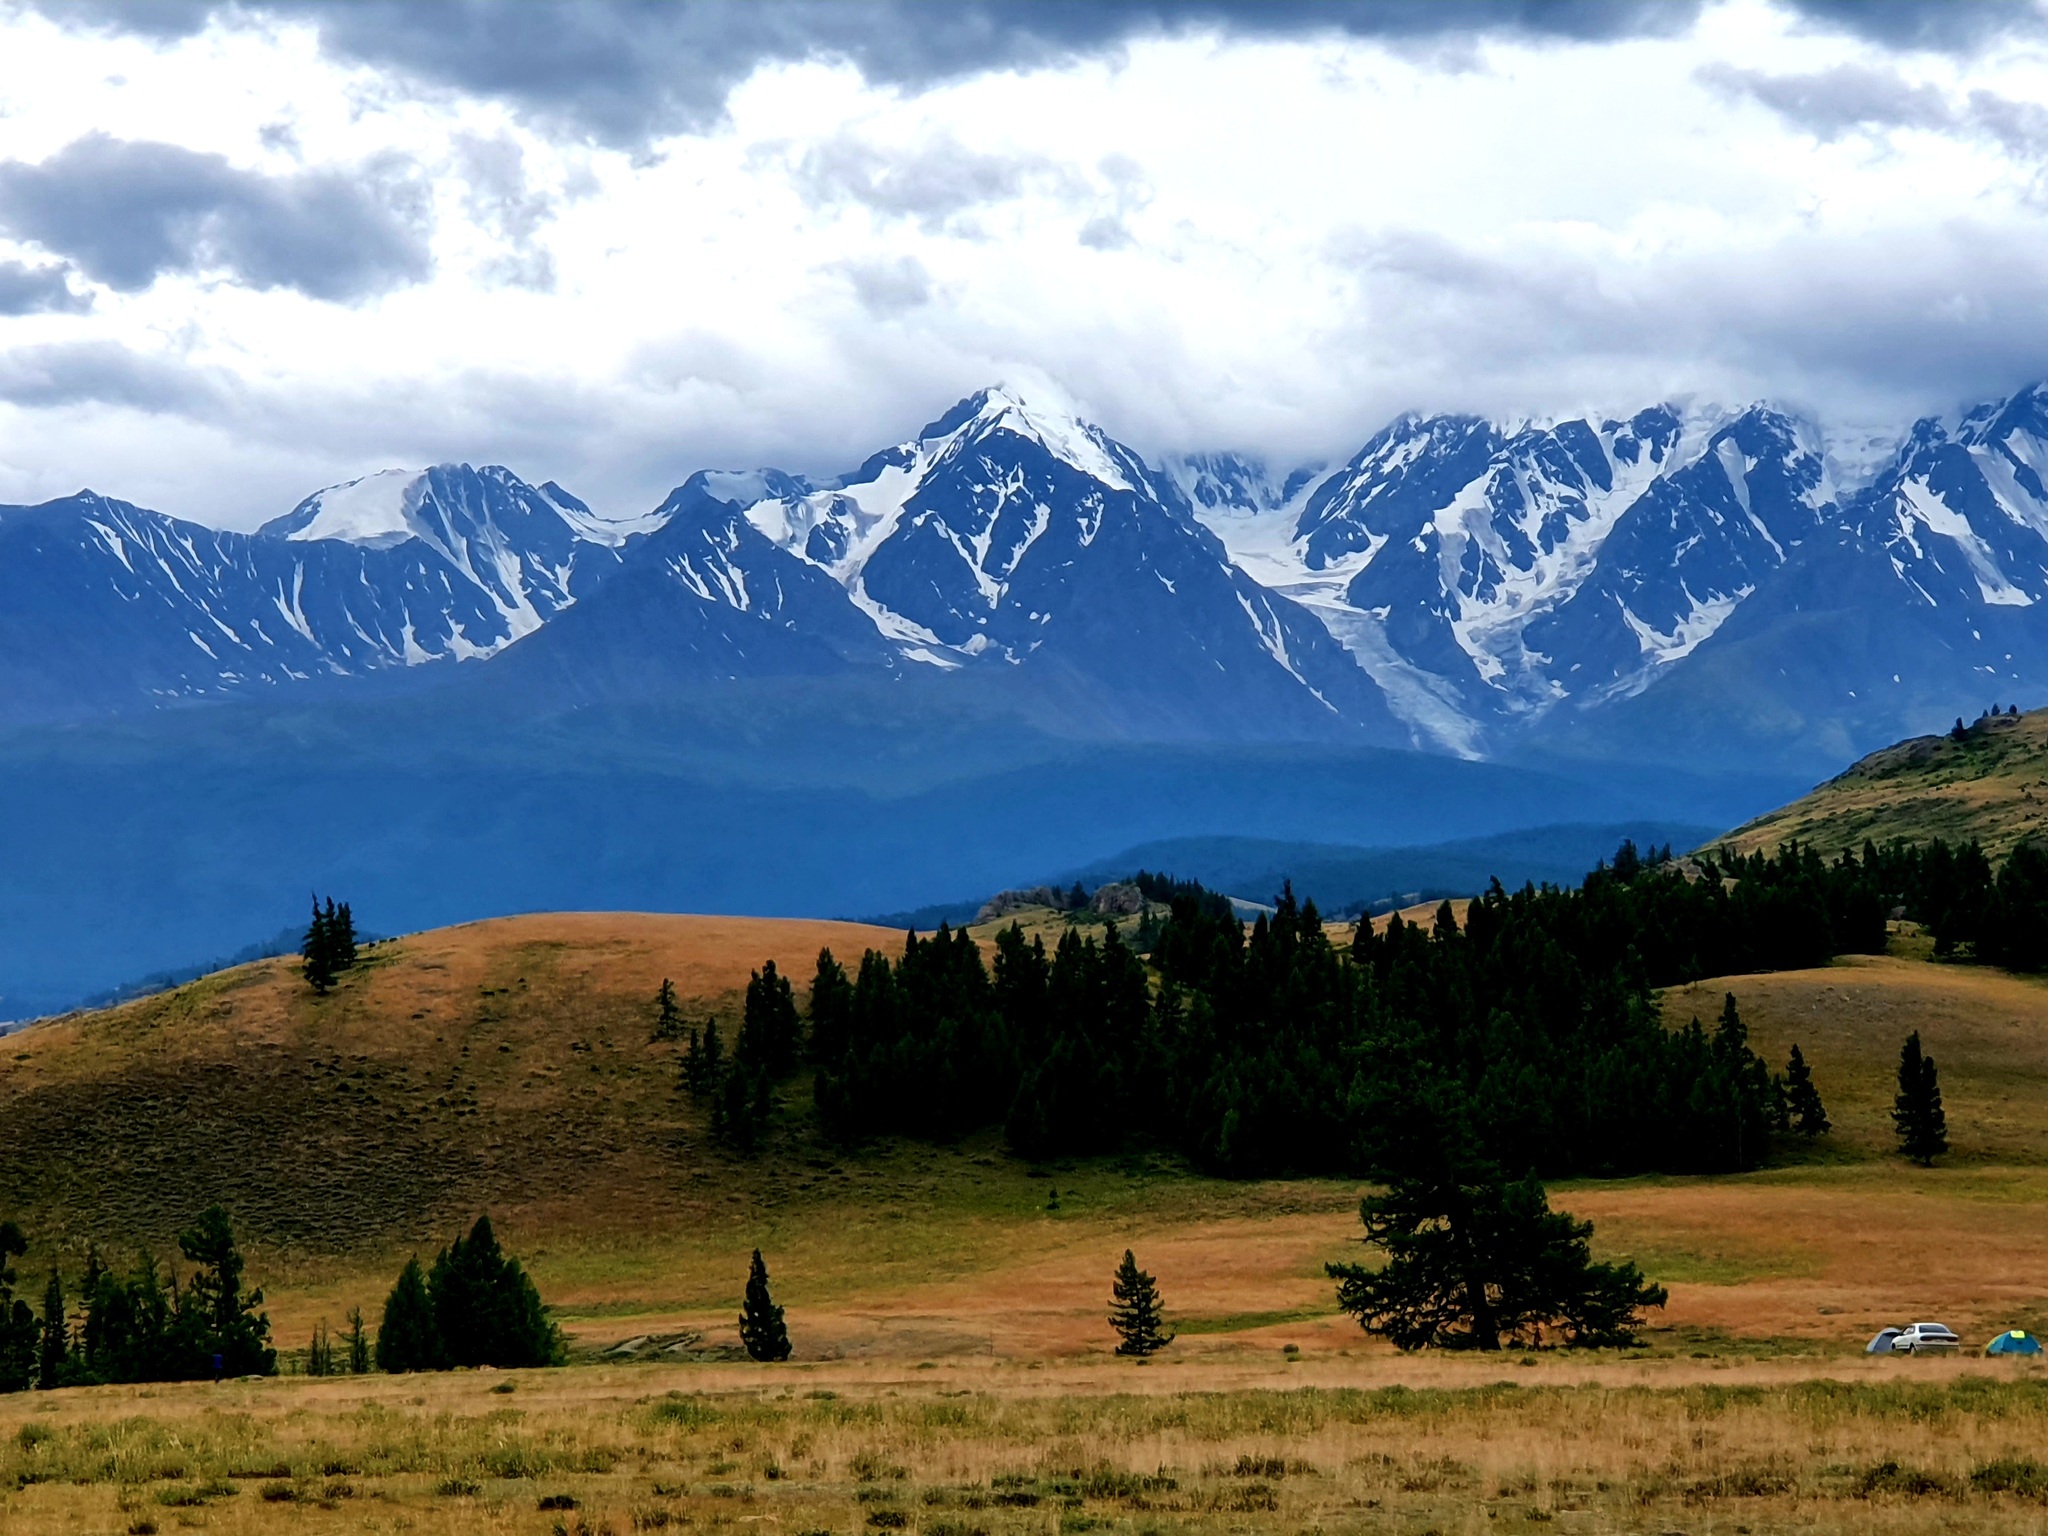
(831, 1011)
(320, 1353)
(486, 1309)
(358, 1344)
(344, 934)
(704, 1061)
(761, 1327)
(668, 1019)
(1802, 1099)
(408, 1340)
(741, 1106)
(227, 1323)
(770, 1032)
(317, 950)
(1917, 1115)
(53, 1354)
(18, 1328)
(1135, 1310)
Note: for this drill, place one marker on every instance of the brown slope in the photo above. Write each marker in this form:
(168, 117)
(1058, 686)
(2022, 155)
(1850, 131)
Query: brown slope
(504, 1064)
(1992, 787)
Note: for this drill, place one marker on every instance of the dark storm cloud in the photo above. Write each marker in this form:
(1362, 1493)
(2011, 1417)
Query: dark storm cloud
(126, 212)
(26, 290)
(1949, 26)
(628, 71)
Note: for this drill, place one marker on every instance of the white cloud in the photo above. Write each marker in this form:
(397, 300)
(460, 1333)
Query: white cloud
(1268, 243)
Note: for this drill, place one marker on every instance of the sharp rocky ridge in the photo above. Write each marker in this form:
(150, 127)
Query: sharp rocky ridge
(1627, 583)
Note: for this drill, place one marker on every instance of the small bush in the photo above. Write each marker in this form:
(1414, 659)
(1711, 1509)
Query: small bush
(1888, 1477)
(557, 1501)
(2027, 1479)
(29, 1436)
(887, 1519)
(458, 1488)
(279, 1493)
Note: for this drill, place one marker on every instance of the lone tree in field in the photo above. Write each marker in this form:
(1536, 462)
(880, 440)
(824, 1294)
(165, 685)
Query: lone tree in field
(1802, 1100)
(1473, 1262)
(1916, 1113)
(317, 950)
(668, 1019)
(1135, 1310)
(761, 1327)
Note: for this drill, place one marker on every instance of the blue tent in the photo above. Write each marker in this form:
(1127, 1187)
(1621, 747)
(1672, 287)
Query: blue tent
(1882, 1344)
(2014, 1341)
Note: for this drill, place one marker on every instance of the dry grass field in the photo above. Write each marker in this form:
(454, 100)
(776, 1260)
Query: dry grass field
(953, 1374)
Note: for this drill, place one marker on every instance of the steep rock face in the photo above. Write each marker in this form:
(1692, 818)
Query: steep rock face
(1009, 536)
(106, 606)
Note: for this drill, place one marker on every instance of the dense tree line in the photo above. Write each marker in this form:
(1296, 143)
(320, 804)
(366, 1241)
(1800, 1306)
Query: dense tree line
(1273, 1051)
(141, 1326)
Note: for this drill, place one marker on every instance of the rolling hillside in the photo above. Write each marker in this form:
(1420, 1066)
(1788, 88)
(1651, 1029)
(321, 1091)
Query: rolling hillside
(1991, 786)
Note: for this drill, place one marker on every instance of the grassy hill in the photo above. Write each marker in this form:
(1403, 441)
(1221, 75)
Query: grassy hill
(1991, 786)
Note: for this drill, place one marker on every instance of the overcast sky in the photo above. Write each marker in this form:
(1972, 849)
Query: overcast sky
(249, 250)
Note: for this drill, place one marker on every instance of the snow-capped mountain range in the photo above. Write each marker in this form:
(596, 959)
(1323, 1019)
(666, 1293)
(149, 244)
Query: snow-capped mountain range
(1665, 580)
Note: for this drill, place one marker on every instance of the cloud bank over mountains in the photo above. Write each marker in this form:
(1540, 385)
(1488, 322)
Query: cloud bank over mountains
(249, 247)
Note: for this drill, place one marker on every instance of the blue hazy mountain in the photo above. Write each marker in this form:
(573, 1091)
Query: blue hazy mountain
(106, 607)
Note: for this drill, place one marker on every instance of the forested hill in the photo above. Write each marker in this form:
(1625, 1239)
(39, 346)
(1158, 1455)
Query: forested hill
(1986, 784)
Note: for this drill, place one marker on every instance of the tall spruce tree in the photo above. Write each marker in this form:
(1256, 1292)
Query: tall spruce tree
(18, 1329)
(358, 1344)
(1802, 1100)
(704, 1061)
(486, 1308)
(227, 1323)
(668, 1018)
(761, 1326)
(409, 1339)
(53, 1353)
(1136, 1312)
(831, 1011)
(770, 1033)
(344, 932)
(1917, 1116)
(317, 951)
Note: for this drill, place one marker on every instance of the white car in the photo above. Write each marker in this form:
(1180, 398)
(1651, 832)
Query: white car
(1925, 1339)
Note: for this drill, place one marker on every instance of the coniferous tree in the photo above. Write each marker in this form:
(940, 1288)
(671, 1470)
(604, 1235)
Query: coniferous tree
(18, 1329)
(408, 1339)
(53, 1352)
(761, 1325)
(831, 1011)
(344, 931)
(225, 1322)
(358, 1344)
(1473, 1261)
(320, 1353)
(1808, 1115)
(668, 1019)
(770, 1034)
(486, 1309)
(317, 950)
(741, 1106)
(1136, 1311)
(704, 1062)
(1917, 1115)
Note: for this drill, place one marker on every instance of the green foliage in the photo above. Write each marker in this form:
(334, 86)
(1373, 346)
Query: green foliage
(1809, 1117)
(771, 1035)
(476, 1306)
(357, 1340)
(329, 947)
(409, 1338)
(761, 1326)
(224, 1322)
(1136, 1312)
(18, 1329)
(1917, 1116)
(668, 1018)
(704, 1061)
(320, 1358)
(53, 1351)
(831, 1009)
(1475, 1262)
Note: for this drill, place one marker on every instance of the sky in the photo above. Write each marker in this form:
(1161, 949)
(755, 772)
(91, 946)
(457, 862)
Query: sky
(249, 250)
